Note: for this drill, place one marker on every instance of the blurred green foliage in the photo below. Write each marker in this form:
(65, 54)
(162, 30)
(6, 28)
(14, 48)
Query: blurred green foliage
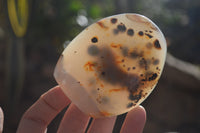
(95, 11)
(57, 20)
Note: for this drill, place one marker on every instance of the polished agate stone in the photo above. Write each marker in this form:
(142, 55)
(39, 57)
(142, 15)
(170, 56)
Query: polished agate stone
(113, 65)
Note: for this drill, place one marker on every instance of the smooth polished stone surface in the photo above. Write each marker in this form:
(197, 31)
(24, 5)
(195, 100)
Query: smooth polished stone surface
(113, 65)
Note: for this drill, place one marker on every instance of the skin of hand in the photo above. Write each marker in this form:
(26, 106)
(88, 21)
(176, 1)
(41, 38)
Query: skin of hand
(1, 120)
(42, 112)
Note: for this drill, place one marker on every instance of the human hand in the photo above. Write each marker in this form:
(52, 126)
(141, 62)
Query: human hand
(1, 120)
(41, 113)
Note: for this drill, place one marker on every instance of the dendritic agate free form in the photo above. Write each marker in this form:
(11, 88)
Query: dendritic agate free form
(113, 65)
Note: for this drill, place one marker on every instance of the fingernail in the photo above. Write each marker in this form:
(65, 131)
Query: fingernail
(1, 120)
(141, 112)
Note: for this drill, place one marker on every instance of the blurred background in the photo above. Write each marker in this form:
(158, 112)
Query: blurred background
(33, 34)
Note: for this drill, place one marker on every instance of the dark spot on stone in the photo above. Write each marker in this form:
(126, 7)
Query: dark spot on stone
(143, 80)
(156, 62)
(133, 68)
(98, 89)
(103, 73)
(104, 100)
(79, 82)
(102, 57)
(153, 77)
(130, 32)
(125, 51)
(157, 68)
(113, 20)
(140, 33)
(146, 30)
(149, 45)
(133, 84)
(94, 40)
(150, 36)
(150, 31)
(129, 105)
(141, 75)
(135, 98)
(122, 60)
(157, 44)
(121, 27)
(93, 50)
(143, 63)
(115, 75)
(75, 51)
(148, 62)
(115, 31)
(134, 54)
(128, 69)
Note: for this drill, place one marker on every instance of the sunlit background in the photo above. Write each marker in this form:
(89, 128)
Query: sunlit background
(33, 33)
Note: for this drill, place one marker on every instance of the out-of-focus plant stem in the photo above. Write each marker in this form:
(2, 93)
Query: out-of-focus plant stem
(14, 72)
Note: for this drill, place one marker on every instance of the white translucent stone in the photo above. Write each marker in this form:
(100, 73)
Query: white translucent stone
(113, 65)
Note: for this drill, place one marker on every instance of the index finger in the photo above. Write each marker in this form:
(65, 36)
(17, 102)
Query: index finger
(135, 121)
(42, 112)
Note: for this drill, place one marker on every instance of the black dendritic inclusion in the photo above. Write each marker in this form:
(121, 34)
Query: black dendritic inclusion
(121, 27)
(134, 54)
(153, 77)
(143, 64)
(130, 105)
(113, 20)
(150, 36)
(157, 44)
(94, 40)
(130, 32)
(115, 75)
(140, 33)
(135, 98)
